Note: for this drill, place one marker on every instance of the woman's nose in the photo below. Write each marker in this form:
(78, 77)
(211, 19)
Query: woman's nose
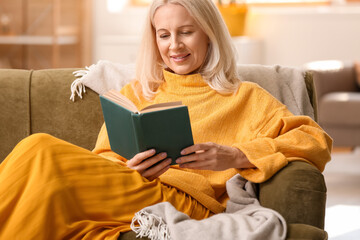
(175, 43)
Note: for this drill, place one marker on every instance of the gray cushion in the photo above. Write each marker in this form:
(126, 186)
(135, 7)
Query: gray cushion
(340, 108)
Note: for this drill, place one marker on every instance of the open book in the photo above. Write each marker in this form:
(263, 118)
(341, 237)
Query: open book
(164, 127)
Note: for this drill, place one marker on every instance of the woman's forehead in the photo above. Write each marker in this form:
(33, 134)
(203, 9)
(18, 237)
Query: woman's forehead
(172, 15)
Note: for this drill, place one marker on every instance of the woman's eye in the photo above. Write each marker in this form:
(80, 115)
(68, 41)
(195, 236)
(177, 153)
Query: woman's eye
(164, 35)
(186, 33)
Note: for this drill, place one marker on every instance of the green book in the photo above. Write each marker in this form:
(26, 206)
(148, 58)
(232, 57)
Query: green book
(164, 127)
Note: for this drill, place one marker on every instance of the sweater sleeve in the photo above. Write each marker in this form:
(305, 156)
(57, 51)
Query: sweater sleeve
(278, 137)
(283, 138)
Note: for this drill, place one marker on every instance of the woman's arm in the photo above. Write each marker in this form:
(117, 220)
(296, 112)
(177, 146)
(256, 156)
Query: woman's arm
(212, 156)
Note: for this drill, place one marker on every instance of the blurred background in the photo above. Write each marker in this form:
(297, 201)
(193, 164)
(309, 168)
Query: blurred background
(318, 35)
(73, 33)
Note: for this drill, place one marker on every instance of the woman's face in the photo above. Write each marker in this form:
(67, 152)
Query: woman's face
(181, 42)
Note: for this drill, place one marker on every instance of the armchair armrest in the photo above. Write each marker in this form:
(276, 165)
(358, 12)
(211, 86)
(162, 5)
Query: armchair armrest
(298, 193)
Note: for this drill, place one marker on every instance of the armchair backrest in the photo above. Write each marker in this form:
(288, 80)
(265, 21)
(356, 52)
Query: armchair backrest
(339, 77)
(292, 86)
(38, 101)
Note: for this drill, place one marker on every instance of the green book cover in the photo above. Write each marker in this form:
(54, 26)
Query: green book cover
(164, 127)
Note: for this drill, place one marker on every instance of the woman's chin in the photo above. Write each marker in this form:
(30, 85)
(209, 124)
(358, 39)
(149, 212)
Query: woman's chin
(184, 71)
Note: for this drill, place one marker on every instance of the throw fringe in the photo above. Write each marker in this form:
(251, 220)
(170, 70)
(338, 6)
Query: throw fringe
(150, 226)
(78, 85)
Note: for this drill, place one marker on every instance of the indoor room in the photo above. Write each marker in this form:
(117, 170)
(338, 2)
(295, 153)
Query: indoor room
(55, 51)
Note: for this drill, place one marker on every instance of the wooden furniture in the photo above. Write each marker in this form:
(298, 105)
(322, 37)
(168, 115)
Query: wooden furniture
(45, 34)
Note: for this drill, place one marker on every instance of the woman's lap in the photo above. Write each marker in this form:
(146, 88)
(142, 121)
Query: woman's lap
(51, 188)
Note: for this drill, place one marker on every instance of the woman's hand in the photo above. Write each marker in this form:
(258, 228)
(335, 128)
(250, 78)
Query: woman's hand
(212, 156)
(149, 165)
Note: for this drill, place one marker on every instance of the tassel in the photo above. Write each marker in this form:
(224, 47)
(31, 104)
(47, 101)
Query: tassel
(150, 226)
(78, 86)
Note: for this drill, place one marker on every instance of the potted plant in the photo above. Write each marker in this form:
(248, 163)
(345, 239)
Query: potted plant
(234, 14)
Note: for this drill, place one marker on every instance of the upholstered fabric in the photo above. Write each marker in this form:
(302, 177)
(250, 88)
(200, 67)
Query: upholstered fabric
(334, 80)
(14, 108)
(305, 232)
(53, 112)
(38, 101)
(300, 183)
(340, 108)
(338, 96)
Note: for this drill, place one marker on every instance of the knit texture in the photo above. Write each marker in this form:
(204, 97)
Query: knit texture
(251, 120)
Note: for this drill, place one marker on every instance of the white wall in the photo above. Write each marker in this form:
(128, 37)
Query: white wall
(296, 36)
(278, 35)
(117, 35)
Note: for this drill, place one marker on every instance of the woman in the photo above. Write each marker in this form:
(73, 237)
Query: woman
(51, 189)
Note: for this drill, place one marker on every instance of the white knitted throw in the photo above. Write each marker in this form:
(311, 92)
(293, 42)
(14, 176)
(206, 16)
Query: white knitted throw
(244, 219)
(102, 77)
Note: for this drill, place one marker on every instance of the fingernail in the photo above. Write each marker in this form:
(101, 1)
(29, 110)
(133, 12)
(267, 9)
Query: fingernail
(163, 155)
(178, 160)
(182, 152)
(168, 160)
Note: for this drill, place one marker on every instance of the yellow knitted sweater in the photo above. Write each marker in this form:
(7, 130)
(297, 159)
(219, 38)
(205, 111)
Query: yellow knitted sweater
(251, 120)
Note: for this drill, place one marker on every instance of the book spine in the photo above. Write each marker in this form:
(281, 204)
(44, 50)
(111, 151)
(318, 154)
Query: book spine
(138, 133)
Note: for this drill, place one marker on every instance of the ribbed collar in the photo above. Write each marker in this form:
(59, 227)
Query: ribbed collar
(175, 83)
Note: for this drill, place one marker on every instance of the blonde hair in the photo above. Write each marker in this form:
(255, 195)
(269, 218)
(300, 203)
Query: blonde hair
(219, 68)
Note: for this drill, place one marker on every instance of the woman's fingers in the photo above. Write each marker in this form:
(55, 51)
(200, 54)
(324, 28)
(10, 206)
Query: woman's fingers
(157, 170)
(138, 158)
(197, 152)
(152, 161)
(196, 148)
(143, 161)
(150, 165)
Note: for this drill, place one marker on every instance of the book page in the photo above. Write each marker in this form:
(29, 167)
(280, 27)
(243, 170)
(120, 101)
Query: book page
(161, 106)
(120, 99)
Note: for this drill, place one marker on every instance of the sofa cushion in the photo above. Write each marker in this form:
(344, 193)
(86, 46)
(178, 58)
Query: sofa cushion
(53, 112)
(340, 108)
(14, 108)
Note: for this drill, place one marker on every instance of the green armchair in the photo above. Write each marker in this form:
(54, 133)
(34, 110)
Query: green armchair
(38, 101)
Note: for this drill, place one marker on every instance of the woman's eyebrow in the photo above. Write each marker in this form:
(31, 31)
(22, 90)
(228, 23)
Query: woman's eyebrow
(188, 25)
(183, 26)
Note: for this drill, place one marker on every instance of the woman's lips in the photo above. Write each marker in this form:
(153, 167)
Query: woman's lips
(180, 58)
